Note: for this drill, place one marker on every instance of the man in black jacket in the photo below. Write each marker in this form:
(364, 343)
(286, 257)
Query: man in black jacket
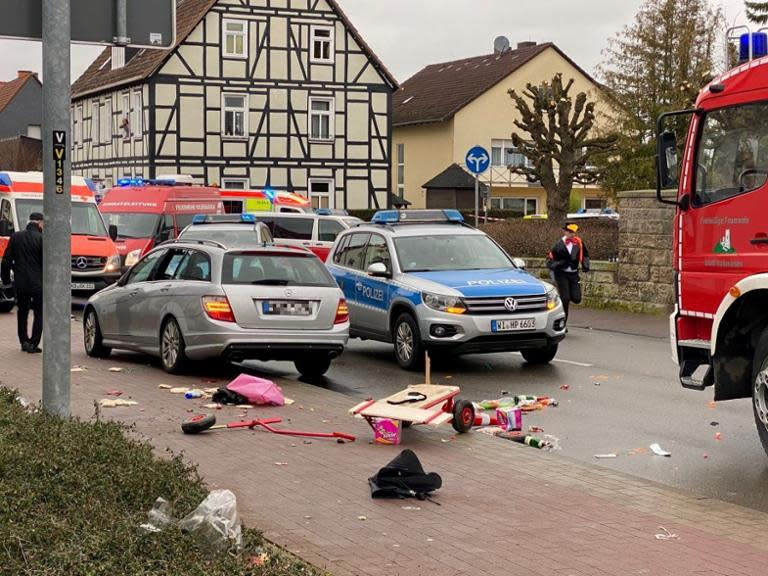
(24, 256)
(564, 260)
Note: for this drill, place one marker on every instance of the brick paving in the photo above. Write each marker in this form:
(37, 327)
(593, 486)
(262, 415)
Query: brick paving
(505, 509)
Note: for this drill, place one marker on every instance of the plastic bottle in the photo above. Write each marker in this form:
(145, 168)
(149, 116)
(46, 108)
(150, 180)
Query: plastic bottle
(192, 394)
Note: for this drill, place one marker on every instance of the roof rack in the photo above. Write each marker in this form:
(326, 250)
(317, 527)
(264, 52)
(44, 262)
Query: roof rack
(391, 217)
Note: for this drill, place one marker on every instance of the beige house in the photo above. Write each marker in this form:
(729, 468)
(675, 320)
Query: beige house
(446, 109)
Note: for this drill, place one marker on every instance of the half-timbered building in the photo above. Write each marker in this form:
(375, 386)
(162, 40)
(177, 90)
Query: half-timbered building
(255, 93)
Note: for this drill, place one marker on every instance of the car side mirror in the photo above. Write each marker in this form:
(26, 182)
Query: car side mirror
(378, 270)
(113, 232)
(5, 228)
(519, 263)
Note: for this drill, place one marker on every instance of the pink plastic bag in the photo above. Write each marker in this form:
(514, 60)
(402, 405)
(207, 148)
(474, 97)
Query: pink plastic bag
(257, 390)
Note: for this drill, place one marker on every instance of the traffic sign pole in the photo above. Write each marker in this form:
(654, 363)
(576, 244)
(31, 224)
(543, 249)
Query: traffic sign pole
(477, 201)
(57, 207)
(477, 161)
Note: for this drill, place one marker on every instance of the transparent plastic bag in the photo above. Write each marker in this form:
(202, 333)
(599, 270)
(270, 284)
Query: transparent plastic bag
(215, 521)
(159, 517)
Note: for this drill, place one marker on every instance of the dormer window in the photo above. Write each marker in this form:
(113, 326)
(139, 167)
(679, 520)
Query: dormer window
(322, 45)
(235, 38)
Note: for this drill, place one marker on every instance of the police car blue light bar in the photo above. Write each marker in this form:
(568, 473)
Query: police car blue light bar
(406, 216)
(200, 219)
(224, 219)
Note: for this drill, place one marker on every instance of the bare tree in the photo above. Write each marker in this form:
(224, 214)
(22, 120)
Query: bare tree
(557, 139)
(757, 12)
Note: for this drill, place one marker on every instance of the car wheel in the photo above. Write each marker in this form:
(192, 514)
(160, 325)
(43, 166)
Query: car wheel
(172, 353)
(92, 338)
(313, 365)
(409, 350)
(6, 307)
(760, 389)
(540, 355)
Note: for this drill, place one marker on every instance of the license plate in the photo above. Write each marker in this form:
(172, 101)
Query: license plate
(83, 286)
(286, 308)
(513, 325)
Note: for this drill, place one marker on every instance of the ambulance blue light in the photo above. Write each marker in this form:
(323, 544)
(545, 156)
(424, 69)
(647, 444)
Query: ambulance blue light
(759, 45)
(453, 216)
(386, 217)
(200, 219)
(5, 179)
(125, 182)
(248, 218)
(269, 193)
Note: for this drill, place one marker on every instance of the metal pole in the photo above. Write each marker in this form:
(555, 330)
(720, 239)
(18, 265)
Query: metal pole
(121, 23)
(477, 201)
(57, 207)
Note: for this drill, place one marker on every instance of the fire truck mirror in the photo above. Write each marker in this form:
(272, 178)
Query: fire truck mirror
(669, 167)
(5, 228)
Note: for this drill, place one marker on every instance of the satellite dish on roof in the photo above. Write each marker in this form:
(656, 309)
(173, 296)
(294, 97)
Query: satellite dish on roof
(501, 45)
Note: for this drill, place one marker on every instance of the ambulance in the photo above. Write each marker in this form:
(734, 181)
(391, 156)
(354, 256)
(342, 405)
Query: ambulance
(267, 200)
(95, 260)
(148, 212)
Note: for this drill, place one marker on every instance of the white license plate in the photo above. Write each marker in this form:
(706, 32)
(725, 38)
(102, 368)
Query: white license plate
(83, 286)
(286, 308)
(513, 325)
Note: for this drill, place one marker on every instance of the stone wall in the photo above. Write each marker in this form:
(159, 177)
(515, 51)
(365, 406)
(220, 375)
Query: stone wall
(643, 278)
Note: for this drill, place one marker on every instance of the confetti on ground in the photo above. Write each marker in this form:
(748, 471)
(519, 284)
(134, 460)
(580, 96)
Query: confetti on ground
(115, 369)
(718, 436)
(117, 402)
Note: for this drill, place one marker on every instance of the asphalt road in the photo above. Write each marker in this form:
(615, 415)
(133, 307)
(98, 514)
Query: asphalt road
(622, 396)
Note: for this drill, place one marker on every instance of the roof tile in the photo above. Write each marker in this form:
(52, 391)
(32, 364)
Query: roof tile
(9, 90)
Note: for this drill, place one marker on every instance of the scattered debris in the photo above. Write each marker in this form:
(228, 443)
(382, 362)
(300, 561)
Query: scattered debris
(565, 387)
(606, 456)
(215, 521)
(116, 403)
(251, 390)
(307, 517)
(666, 534)
(115, 393)
(193, 394)
(212, 406)
(714, 424)
(411, 507)
(159, 517)
(78, 369)
(180, 390)
(535, 429)
(659, 451)
(430, 539)
(363, 518)
(289, 402)
(712, 404)
(211, 390)
(718, 436)
(164, 387)
(116, 369)
(259, 559)
(404, 477)
(281, 463)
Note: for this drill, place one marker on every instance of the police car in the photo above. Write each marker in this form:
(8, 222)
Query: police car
(425, 280)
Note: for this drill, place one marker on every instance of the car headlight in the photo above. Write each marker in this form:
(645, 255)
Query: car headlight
(449, 304)
(132, 257)
(113, 263)
(553, 299)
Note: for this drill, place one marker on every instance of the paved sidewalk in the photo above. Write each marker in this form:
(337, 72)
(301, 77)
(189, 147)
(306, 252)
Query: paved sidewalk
(649, 325)
(505, 509)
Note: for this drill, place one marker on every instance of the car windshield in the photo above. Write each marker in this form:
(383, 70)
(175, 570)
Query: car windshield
(86, 220)
(264, 269)
(444, 252)
(243, 237)
(133, 225)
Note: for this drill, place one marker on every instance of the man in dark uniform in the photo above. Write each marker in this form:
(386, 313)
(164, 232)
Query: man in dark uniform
(24, 256)
(564, 260)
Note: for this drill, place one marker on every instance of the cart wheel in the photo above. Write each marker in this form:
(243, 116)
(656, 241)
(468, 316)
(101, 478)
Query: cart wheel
(199, 423)
(463, 416)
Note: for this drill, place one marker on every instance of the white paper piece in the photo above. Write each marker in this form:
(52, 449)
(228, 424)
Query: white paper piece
(666, 534)
(659, 451)
(606, 456)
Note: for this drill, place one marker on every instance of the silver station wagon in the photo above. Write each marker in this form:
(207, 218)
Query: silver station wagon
(198, 300)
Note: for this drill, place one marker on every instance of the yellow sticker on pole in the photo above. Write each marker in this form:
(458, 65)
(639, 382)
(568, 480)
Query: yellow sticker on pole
(258, 205)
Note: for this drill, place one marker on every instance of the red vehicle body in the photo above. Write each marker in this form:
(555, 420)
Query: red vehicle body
(719, 328)
(147, 213)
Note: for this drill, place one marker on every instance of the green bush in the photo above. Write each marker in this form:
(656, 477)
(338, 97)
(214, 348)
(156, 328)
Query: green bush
(73, 495)
(534, 238)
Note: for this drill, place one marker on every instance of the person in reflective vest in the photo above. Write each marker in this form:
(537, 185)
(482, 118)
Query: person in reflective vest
(564, 260)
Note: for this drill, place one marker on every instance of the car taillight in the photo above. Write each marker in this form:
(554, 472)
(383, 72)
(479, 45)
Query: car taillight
(218, 308)
(342, 312)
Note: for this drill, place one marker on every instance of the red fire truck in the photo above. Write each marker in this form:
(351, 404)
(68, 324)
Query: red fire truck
(719, 328)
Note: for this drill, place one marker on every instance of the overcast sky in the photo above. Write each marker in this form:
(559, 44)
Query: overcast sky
(409, 34)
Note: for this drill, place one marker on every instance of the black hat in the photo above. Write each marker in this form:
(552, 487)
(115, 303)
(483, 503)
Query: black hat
(36, 217)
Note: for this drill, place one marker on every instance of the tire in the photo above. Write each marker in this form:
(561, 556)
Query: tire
(760, 389)
(199, 423)
(313, 365)
(92, 337)
(409, 349)
(540, 355)
(6, 307)
(172, 355)
(463, 416)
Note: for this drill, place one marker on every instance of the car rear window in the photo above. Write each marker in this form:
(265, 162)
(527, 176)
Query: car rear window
(274, 269)
(293, 228)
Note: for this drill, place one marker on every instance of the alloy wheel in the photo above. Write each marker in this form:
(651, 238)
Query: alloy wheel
(404, 341)
(171, 342)
(761, 396)
(90, 331)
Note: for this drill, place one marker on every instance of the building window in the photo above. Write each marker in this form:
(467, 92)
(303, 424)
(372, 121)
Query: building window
(137, 116)
(234, 183)
(503, 154)
(78, 128)
(593, 204)
(322, 45)
(519, 206)
(321, 118)
(401, 170)
(125, 117)
(33, 131)
(321, 193)
(106, 123)
(234, 113)
(95, 109)
(235, 38)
